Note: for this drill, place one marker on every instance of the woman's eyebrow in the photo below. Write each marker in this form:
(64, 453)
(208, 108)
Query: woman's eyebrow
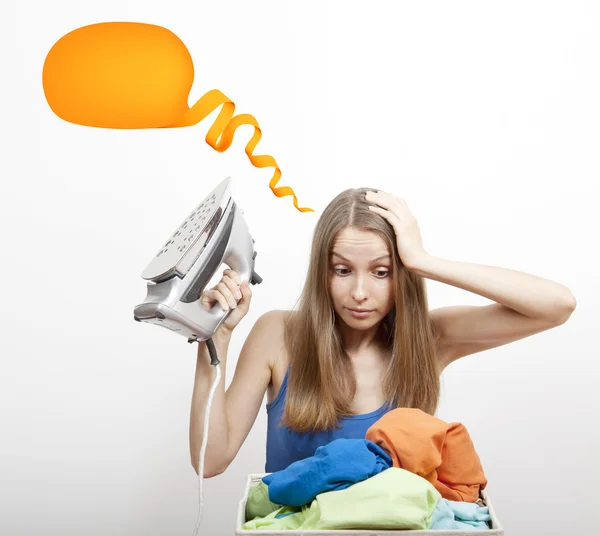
(386, 256)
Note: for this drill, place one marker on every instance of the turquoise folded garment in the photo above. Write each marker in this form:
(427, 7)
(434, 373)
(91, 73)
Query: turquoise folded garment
(460, 515)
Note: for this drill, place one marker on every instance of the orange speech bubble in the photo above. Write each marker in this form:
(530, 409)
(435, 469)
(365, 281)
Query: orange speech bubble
(130, 75)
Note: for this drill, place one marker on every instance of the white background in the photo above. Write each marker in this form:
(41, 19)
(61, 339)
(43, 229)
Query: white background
(483, 116)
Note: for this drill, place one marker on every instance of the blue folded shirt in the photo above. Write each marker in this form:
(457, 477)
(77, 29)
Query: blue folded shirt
(334, 466)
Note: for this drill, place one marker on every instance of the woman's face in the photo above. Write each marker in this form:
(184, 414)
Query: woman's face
(361, 278)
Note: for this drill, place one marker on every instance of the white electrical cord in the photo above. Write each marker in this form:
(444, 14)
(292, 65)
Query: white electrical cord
(203, 447)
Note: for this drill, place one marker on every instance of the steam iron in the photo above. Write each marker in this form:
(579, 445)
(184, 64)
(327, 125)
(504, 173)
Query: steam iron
(215, 233)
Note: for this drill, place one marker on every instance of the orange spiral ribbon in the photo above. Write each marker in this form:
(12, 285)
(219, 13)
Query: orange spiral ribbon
(130, 75)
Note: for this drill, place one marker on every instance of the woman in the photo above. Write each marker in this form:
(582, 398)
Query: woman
(362, 340)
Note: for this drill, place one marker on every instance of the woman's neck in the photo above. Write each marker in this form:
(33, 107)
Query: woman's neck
(362, 342)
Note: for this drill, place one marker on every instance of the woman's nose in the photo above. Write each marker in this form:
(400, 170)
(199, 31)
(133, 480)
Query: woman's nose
(359, 290)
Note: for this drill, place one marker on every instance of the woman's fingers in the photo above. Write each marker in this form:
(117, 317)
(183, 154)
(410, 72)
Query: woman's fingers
(246, 293)
(228, 292)
(228, 295)
(233, 275)
(233, 287)
(213, 296)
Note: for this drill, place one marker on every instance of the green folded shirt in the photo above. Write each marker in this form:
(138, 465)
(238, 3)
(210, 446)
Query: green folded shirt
(258, 503)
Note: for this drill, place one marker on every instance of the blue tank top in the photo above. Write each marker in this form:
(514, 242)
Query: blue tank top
(285, 446)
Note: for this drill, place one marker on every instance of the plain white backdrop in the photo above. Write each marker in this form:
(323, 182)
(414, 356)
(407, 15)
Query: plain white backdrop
(483, 116)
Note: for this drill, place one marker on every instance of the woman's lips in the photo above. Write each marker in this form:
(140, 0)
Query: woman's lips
(359, 314)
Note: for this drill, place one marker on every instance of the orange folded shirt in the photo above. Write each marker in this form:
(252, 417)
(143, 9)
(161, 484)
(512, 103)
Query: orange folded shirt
(441, 453)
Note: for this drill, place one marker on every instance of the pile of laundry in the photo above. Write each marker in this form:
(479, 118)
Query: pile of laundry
(412, 471)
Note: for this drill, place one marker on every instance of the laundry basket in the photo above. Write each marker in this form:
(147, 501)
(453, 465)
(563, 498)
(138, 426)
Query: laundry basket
(255, 479)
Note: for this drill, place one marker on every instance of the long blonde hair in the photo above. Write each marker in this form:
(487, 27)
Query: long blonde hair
(321, 382)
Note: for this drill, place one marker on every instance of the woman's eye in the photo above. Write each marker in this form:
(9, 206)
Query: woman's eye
(345, 271)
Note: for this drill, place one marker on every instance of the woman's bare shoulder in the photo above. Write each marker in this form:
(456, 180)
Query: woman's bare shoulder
(277, 318)
(274, 322)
